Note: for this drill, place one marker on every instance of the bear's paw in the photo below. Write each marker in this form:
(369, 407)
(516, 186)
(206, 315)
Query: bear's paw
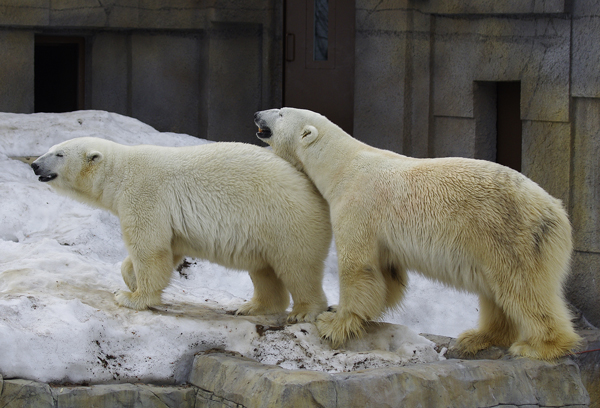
(339, 327)
(136, 300)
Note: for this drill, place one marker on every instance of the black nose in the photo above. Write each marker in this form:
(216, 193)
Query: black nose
(256, 115)
(34, 166)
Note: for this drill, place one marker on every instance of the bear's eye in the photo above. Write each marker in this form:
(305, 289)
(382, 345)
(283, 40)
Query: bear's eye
(59, 155)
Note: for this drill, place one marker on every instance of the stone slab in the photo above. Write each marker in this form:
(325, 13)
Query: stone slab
(227, 379)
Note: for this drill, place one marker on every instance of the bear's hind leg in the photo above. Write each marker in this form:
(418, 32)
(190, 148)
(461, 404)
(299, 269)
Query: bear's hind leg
(153, 273)
(495, 329)
(270, 295)
(545, 325)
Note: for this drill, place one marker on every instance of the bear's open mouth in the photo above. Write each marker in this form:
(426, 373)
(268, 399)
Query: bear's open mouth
(49, 177)
(264, 132)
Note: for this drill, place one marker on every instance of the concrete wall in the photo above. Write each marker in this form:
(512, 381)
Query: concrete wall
(16, 71)
(423, 87)
(196, 67)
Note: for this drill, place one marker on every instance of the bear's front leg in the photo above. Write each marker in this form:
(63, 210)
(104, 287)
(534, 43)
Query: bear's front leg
(362, 298)
(152, 271)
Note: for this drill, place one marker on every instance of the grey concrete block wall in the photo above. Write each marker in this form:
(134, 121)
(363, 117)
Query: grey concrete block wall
(547, 156)
(110, 72)
(585, 81)
(233, 82)
(165, 80)
(503, 49)
(583, 288)
(201, 68)
(16, 71)
(380, 69)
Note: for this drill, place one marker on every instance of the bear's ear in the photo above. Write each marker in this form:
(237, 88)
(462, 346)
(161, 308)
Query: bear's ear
(94, 156)
(309, 134)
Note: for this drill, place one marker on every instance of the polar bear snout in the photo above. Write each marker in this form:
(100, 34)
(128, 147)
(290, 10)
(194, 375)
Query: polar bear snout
(45, 175)
(264, 131)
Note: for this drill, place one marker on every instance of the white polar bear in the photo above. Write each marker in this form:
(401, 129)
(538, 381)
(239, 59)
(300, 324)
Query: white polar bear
(471, 224)
(234, 204)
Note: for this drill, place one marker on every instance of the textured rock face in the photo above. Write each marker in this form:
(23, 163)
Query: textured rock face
(456, 383)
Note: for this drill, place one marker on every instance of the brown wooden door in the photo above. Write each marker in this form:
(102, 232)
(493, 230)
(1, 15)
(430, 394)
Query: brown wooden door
(319, 58)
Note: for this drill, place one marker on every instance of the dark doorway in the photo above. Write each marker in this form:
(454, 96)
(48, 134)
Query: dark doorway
(498, 126)
(509, 126)
(59, 74)
(319, 58)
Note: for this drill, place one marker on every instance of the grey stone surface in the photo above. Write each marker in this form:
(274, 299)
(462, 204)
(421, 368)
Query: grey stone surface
(125, 395)
(454, 137)
(110, 72)
(507, 49)
(25, 393)
(583, 285)
(546, 156)
(456, 383)
(165, 81)
(589, 364)
(16, 91)
(233, 83)
(585, 81)
(586, 178)
(492, 7)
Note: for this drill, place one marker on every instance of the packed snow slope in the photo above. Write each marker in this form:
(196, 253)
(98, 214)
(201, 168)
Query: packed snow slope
(60, 265)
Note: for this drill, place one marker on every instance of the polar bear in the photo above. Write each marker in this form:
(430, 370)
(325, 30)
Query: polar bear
(471, 224)
(234, 204)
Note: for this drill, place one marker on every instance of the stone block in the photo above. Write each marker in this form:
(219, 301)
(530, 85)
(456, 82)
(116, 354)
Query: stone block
(109, 82)
(507, 49)
(454, 137)
(165, 81)
(589, 364)
(585, 208)
(392, 62)
(491, 6)
(586, 50)
(125, 395)
(456, 383)
(379, 63)
(418, 89)
(25, 393)
(77, 13)
(24, 12)
(582, 288)
(232, 91)
(546, 157)
(16, 91)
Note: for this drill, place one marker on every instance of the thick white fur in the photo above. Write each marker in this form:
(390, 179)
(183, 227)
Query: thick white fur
(471, 224)
(234, 204)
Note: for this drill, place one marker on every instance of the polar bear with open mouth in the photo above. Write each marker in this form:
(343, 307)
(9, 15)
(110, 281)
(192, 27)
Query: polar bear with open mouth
(471, 224)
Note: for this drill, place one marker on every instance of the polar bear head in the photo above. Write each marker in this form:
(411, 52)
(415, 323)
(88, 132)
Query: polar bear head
(290, 132)
(70, 167)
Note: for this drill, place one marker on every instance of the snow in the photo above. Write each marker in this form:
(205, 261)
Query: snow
(60, 266)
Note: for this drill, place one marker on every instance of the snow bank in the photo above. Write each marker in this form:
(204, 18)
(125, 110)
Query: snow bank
(60, 265)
